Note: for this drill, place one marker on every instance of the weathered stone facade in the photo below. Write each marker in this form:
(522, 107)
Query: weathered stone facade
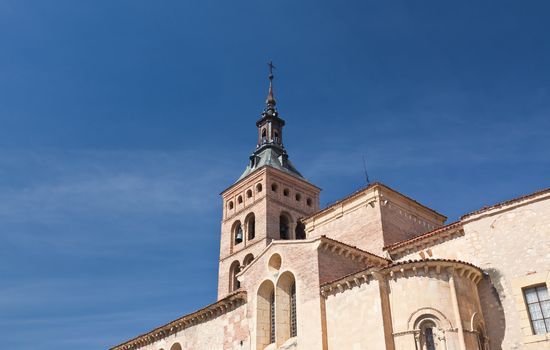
(376, 270)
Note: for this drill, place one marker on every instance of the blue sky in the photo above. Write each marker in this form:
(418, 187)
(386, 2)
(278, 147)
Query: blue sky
(121, 121)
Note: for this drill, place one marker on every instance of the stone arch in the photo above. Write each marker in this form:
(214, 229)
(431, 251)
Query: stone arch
(429, 325)
(237, 233)
(285, 224)
(234, 269)
(250, 223)
(175, 346)
(285, 298)
(248, 259)
(300, 231)
(424, 312)
(265, 325)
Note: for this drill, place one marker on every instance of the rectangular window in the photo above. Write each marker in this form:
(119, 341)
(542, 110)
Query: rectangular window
(538, 305)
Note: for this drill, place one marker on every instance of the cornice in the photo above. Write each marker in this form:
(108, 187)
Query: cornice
(352, 252)
(403, 269)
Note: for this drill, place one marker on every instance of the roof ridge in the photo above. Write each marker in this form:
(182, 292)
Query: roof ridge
(423, 235)
(506, 202)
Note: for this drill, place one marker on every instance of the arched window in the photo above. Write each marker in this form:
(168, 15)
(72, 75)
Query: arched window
(274, 187)
(248, 259)
(284, 227)
(286, 307)
(259, 188)
(230, 204)
(239, 199)
(249, 194)
(176, 346)
(286, 192)
(250, 222)
(238, 232)
(298, 197)
(234, 269)
(308, 202)
(265, 316)
(276, 136)
(427, 337)
(264, 135)
(300, 230)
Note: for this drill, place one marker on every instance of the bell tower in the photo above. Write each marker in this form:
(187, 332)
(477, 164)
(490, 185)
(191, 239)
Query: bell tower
(266, 203)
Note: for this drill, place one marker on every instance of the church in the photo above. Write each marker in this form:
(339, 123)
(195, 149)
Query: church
(375, 270)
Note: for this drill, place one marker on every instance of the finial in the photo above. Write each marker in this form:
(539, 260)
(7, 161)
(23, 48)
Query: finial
(270, 99)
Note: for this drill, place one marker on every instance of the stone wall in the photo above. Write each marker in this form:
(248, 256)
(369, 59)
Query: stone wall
(228, 331)
(511, 243)
(354, 318)
(373, 218)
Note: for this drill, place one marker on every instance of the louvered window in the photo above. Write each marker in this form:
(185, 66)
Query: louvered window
(293, 326)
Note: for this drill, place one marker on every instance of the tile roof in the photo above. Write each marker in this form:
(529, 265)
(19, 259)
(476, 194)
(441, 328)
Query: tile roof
(399, 263)
(171, 327)
(423, 236)
(505, 203)
(361, 191)
(354, 248)
(413, 261)
(463, 218)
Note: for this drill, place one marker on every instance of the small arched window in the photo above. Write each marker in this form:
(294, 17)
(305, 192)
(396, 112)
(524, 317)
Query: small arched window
(259, 188)
(264, 135)
(298, 197)
(274, 187)
(276, 136)
(284, 227)
(251, 226)
(286, 192)
(249, 194)
(230, 205)
(240, 199)
(248, 259)
(234, 269)
(176, 346)
(238, 232)
(308, 202)
(427, 338)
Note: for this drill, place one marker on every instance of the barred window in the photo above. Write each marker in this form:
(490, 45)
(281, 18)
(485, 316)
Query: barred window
(538, 304)
(293, 328)
(272, 318)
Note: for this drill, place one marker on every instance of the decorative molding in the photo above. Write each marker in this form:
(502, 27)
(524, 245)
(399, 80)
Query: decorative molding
(401, 270)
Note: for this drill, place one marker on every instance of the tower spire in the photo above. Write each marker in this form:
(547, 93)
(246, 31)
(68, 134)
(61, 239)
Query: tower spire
(270, 101)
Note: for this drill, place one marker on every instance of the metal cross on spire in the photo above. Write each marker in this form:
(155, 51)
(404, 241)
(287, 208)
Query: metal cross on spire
(270, 99)
(271, 67)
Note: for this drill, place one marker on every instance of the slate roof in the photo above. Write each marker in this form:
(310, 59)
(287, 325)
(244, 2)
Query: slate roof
(273, 156)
